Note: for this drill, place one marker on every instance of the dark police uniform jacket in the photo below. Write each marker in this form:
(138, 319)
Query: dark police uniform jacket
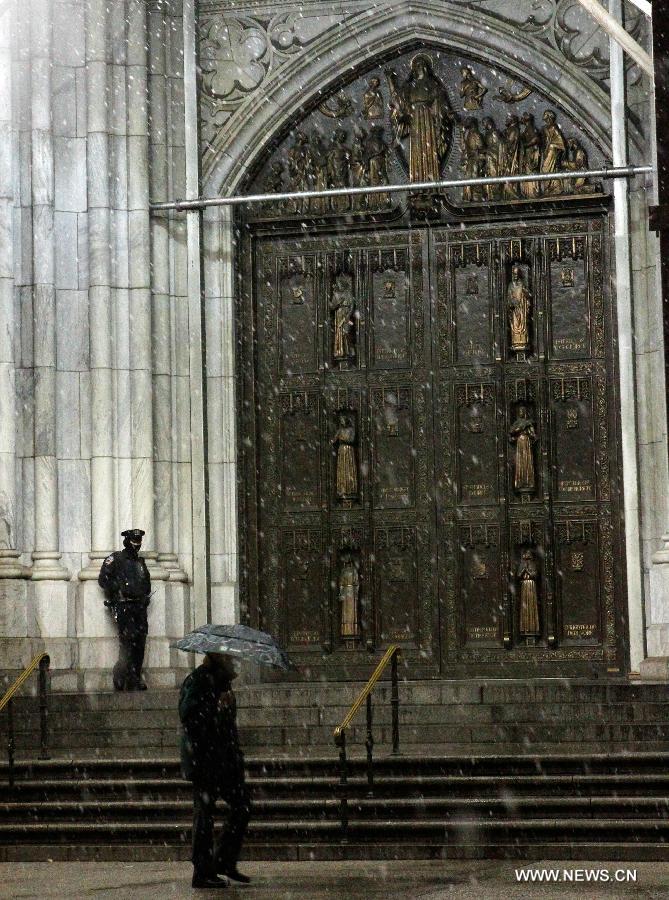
(125, 575)
(210, 751)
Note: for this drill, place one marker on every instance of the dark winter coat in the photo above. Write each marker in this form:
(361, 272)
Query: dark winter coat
(125, 576)
(210, 751)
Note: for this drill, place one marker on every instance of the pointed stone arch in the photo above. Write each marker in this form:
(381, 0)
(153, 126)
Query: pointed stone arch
(241, 143)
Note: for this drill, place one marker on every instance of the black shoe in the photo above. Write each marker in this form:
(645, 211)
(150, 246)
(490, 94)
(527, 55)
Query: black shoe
(234, 874)
(208, 881)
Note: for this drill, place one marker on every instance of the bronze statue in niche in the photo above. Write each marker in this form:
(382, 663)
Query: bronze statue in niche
(471, 89)
(349, 596)
(528, 574)
(518, 301)
(524, 436)
(553, 147)
(346, 469)
(342, 307)
(420, 112)
(372, 100)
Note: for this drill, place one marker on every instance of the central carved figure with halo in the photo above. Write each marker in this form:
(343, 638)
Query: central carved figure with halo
(420, 111)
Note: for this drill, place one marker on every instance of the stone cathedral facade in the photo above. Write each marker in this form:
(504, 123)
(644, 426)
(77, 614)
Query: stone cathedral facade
(431, 419)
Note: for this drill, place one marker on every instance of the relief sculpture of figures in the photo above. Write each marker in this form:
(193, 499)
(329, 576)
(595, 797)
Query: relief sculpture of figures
(349, 594)
(298, 165)
(342, 305)
(527, 574)
(518, 299)
(473, 158)
(421, 112)
(318, 173)
(471, 89)
(339, 164)
(358, 167)
(511, 155)
(346, 480)
(523, 435)
(576, 161)
(372, 101)
(552, 152)
(494, 149)
(531, 144)
(376, 164)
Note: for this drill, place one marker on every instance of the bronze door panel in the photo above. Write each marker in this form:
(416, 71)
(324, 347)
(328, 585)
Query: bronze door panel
(429, 447)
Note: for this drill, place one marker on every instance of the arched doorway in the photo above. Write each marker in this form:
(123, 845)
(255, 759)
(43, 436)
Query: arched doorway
(428, 425)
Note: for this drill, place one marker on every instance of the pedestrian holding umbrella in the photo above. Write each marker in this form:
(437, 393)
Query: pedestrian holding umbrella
(211, 757)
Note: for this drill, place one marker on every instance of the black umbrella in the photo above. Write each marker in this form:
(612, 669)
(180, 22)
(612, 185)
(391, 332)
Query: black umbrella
(236, 640)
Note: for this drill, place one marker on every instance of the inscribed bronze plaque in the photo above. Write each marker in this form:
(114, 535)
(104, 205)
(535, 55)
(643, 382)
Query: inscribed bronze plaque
(298, 320)
(473, 314)
(479, 579)
(477, 463)
(571, 409)
(394, 452)
(300, 451)
(390, 313)
(578, 581)
(396, 587)
(568, 303)
(303, 592)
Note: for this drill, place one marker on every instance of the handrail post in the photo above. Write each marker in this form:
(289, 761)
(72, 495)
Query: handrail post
(369, 744)
(44, 685)
(10, 741)
(395, 703)
(343, 783)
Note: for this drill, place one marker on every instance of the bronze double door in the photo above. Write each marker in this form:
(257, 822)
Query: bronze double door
(428, 434)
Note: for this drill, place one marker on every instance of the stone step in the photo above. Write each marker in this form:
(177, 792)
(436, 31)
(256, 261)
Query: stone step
(517, 786)
(361, 809)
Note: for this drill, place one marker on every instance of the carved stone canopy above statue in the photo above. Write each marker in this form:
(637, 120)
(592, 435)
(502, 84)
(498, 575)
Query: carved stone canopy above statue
(426, 116)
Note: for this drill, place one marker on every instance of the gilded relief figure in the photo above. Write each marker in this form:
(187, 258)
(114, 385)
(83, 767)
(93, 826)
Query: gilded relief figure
(576, 161)
(511, 155)
(346, 480)
(473, 158)
(518, 301)
(298, 166)
(523, 435)
(339, 168)
(349, 597)
(376, 164)
(274, 185)
(358, 168)
(528, 573)
(421, 112)
(471, 89)
(493, 153)
(553, 147)
(342, 305)
(318, 173)
(531, 155)
(372, 100)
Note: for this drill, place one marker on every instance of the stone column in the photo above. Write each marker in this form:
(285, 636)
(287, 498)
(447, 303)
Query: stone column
(219, 258)
(46, 555)
(103, 538)
(162, 336)
(9, 555)
(140, 325)
(95, 626)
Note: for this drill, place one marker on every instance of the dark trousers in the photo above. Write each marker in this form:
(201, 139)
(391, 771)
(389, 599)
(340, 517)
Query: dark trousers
(208, 860)
(132, 629)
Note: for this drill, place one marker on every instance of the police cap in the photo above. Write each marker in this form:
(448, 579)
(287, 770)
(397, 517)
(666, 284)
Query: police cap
(134, 533)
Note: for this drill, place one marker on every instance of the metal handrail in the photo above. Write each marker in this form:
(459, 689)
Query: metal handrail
(369, 687)
(390, 656)
(41, 661)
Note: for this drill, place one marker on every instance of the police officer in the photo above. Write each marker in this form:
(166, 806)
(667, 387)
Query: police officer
(212, 759)
(126, 582)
